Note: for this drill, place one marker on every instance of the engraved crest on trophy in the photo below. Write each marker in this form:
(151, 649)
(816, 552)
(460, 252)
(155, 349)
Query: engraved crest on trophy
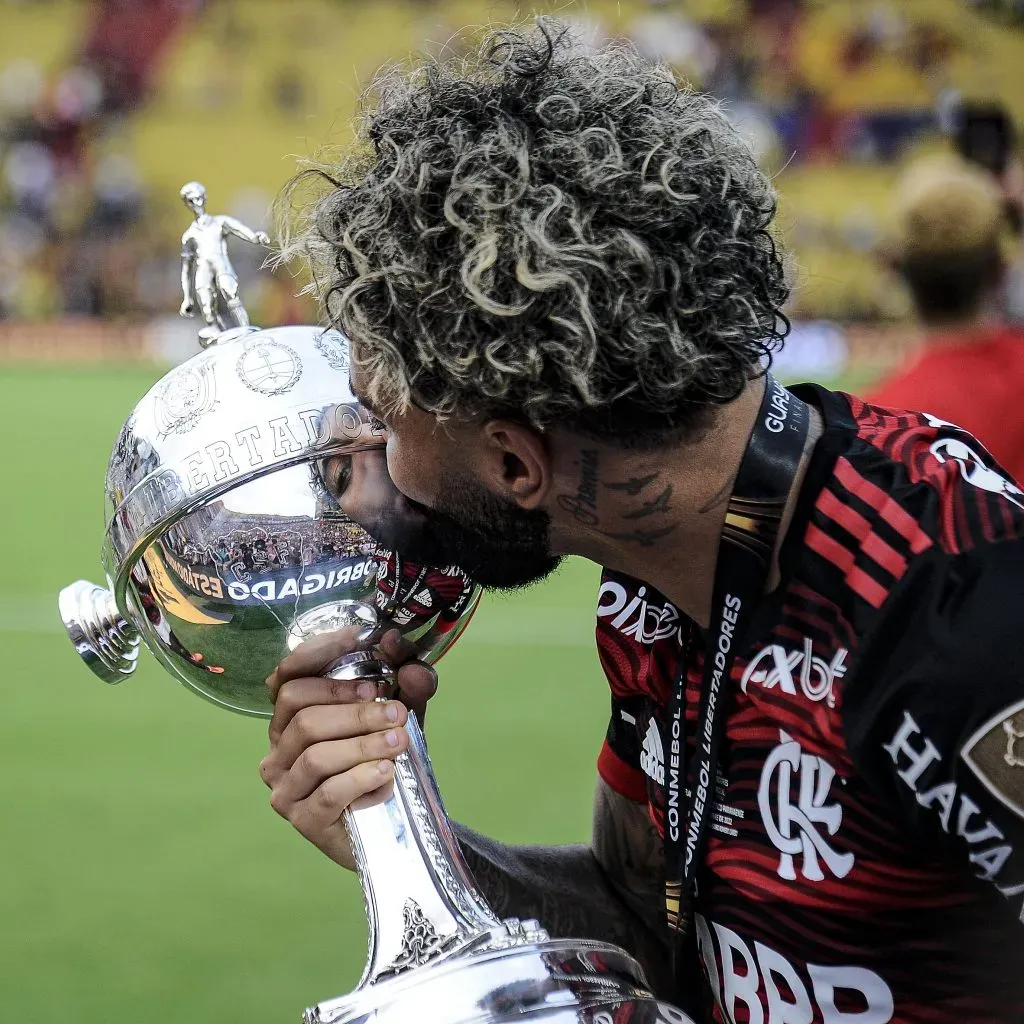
(223, 551)
(185, 397)
(268, 367)
(334, 352)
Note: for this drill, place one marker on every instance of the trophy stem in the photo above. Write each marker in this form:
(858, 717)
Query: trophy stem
(421, 901)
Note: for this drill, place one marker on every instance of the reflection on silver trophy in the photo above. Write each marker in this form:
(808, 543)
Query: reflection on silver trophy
(223, 550)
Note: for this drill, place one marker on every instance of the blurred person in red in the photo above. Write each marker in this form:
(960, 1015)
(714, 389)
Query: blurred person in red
(952, 250)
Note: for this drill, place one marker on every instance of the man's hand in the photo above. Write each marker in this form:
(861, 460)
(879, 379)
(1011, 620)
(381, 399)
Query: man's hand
(262, 238)
(331, 742)
(187, 309)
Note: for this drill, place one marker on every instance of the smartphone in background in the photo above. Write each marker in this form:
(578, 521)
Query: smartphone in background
(987, 136)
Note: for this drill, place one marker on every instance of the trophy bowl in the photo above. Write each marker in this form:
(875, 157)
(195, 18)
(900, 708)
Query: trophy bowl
(223, 549)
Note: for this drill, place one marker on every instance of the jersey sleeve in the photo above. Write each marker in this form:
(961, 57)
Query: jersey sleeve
(934, 710)
(619, 761)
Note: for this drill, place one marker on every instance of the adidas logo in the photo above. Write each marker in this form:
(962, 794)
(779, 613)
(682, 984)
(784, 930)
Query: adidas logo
(652, 756)
(424, 598)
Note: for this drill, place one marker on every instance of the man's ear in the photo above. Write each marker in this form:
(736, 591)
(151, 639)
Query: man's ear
(516, 462)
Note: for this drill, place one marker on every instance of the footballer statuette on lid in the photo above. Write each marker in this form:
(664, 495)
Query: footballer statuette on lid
(208, 280)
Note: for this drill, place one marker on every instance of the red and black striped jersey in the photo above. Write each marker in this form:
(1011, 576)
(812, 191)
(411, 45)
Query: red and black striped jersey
(866, 862)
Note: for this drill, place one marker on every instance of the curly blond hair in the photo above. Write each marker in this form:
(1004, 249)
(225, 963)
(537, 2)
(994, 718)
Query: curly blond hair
(949, 236)
(564, 236)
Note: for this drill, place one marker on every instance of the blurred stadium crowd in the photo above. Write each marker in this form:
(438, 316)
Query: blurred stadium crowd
(107, 107)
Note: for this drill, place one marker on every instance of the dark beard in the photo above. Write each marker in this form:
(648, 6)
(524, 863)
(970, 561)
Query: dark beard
(495, 542)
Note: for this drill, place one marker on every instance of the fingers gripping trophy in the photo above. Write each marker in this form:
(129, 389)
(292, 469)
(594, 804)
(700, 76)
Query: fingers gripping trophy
(223, 552)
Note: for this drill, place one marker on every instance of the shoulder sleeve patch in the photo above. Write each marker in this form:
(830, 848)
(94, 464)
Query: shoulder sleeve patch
(995, 753)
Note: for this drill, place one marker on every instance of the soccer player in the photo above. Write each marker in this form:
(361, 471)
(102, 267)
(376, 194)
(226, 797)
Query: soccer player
(557, 272)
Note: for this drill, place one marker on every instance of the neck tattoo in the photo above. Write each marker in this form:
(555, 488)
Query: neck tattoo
(654, 501)
(582, 505)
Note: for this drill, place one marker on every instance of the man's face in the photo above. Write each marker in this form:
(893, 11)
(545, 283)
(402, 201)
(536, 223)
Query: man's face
(423, 501)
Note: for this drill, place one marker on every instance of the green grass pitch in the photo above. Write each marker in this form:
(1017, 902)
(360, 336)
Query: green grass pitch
(143, 871)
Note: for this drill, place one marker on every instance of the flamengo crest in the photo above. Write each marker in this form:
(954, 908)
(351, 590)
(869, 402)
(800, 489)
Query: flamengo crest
(793, 798)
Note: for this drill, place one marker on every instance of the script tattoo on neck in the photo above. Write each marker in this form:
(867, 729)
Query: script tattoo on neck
(655, 506)
(582, 505)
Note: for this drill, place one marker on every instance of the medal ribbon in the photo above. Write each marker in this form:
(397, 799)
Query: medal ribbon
(751, 528)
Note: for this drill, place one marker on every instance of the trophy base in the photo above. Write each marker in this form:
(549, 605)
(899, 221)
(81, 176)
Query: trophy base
(557, 981)
(218, 335)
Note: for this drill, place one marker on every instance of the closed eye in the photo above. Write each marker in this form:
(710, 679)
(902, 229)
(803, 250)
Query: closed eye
(336, 473)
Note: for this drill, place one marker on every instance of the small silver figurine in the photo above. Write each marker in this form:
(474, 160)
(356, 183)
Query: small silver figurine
(207, 276)
(223, 551)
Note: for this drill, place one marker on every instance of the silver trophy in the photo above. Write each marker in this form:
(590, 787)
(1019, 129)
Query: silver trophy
(223, 550)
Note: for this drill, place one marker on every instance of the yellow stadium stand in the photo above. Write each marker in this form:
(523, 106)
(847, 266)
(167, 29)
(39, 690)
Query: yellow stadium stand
(256, 85)
(50, 33)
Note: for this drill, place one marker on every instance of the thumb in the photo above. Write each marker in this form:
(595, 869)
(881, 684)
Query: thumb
(417, 683)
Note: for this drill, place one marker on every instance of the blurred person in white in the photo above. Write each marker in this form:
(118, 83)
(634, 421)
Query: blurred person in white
(30, 172)
(952, 246)
(557, 272)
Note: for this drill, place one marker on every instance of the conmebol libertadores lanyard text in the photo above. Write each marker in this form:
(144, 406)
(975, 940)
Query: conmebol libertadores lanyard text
(748, 538)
